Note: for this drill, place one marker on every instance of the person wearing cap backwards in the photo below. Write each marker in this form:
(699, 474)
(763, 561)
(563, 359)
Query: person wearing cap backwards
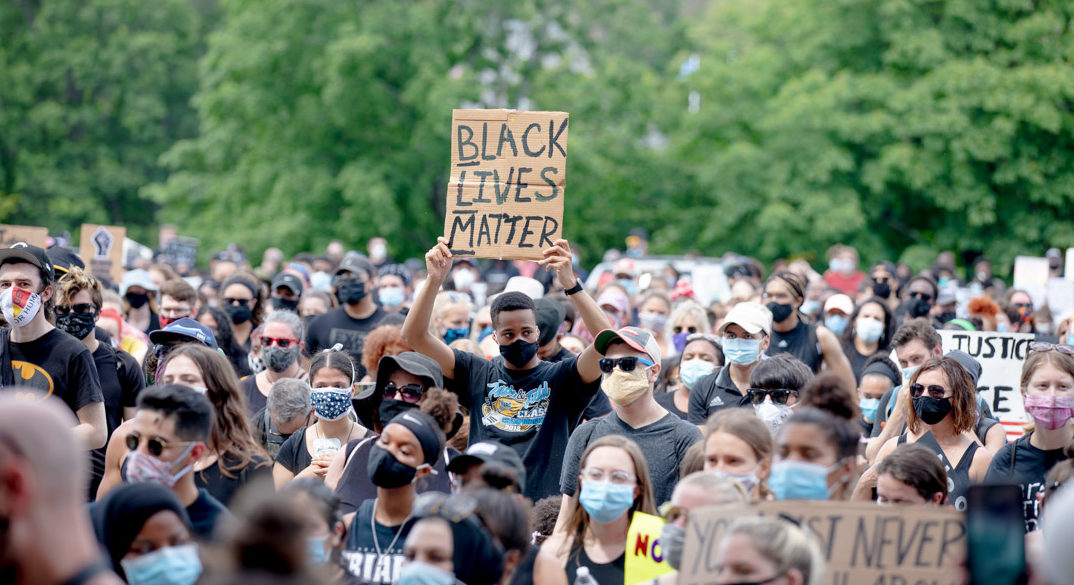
(42, 357)
(784, 293)
(286, 292)
(516, 399)
(744, 336)
(393, 288)
(77, 311)
(631, 367)
(357, 314)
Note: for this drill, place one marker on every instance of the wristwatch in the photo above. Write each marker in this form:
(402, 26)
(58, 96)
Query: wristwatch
(577, 288)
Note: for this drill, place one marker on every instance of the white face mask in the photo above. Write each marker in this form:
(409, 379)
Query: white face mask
(463, 278)
(19, 306)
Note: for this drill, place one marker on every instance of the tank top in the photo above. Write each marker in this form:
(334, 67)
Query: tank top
(958, 477)
(801, 342)
(613, 572)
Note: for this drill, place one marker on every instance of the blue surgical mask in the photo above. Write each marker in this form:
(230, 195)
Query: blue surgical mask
(906, 374)
(629, 285)
(604, 501)
(171, 565)
(836, 323)
(481, 335)
(690, 371)
(742, 351)
(794, 480)
(315, 546)
(454, 333)
(418, 573)
(868, 408)
(391, 297)
(810, 306)
(869, 330)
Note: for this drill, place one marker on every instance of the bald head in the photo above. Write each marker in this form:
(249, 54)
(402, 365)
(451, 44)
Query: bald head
(36, 438)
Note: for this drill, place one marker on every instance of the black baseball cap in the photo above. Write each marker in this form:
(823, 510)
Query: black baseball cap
(489, 452)
(355, 262)
(411, 362)
(550, 314)
(23, 252)
(63, 259)
(287, 280)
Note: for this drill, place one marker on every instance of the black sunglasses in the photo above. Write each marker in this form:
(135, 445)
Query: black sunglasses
(155, 445)
(1041, 346)
(79, 309)
(627, 364)
(756, 395)
(410, 392)
(920, 295)
(678, 329)
(234, 301)
(937, 392)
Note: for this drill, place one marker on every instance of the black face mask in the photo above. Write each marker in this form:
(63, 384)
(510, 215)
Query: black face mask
(386, 471)
(780, 311)
(519, 353)
(239, 313)
(930, 410)
(285, 304)
(945, 317)
(391, 407)
(351, 292)
(916, 308)
(77, 325)
(882, 289)
(137, 300)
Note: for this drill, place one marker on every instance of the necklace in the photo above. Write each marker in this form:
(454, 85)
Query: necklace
(373, 529)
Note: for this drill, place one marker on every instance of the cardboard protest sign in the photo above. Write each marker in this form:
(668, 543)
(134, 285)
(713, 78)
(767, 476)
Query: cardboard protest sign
(508, 174)
(1001, 356)
(1031, 275)
(644, 555)
(101, 247)
(33, 235)
(862, 542)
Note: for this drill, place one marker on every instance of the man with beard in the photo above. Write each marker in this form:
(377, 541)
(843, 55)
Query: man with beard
(281, 343)
(357, 314)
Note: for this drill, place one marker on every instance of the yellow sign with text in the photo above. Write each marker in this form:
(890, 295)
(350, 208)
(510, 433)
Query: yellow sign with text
(644, 556)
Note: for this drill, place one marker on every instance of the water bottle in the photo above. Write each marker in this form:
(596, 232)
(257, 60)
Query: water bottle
(583, 577)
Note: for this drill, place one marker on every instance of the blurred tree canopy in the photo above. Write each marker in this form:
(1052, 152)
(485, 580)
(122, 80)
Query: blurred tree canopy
(796, 124)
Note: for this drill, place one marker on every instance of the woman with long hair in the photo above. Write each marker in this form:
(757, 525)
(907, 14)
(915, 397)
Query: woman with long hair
(614, 483)
(738, 445)
(816, 457)
(872, 326)
(220, 324)
(942, 416)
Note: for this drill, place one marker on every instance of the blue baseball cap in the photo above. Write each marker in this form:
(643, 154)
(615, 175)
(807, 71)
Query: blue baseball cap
(182, 331)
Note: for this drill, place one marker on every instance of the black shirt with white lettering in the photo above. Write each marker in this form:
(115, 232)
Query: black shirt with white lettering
(714, 392)
(374, 557)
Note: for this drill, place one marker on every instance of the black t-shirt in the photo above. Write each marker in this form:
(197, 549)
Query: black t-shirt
(204, 514)
(355, 487)
(801, 342)
(667, 400)
(613, 572)
(856, 359)
(360, 556)
(293, 455)
(255, 400)
(224, 488)
(60, 365)
(120, 388)
(1025, 465)
(714, 392)
(524, 573)
(531, 410)
(336, 326)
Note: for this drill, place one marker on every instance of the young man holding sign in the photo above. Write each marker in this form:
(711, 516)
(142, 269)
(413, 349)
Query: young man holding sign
(516, 399)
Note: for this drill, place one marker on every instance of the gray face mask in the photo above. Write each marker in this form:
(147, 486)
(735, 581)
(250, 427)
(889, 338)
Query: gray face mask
(672, 539)
(278, 359)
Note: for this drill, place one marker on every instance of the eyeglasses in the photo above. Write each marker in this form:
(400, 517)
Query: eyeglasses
(1040, 346)
(670, 512)
(627, 364)
(410, 392)
(156, 445)
(920, 295)
(679, 329)
(756, 395)
(78, 309)
(280, 342)
(615, 477)
(937, 392)
(237, 302)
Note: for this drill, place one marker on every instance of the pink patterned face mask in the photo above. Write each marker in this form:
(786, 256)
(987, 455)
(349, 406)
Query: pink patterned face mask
(1050, 412)
(146, 468)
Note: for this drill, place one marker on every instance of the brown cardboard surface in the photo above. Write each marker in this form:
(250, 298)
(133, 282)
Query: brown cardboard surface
(862, 542)
(507, 182)
(33, 235)
(101, 248)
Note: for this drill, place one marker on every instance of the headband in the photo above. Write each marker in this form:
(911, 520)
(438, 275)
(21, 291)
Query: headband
(422, 425)
(253, 291)
(883, 369)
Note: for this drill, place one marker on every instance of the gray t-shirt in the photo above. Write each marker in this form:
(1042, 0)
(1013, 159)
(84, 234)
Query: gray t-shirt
(664, 444)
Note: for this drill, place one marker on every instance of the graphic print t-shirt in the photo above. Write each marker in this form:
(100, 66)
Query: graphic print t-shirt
(360, 557)
(532, 410)
(60, 365)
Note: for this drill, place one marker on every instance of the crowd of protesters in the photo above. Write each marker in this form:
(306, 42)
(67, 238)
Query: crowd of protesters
(346, 418)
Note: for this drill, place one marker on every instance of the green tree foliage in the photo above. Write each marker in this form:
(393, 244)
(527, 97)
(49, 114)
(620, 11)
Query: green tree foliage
(91, 93)
(944, 124)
